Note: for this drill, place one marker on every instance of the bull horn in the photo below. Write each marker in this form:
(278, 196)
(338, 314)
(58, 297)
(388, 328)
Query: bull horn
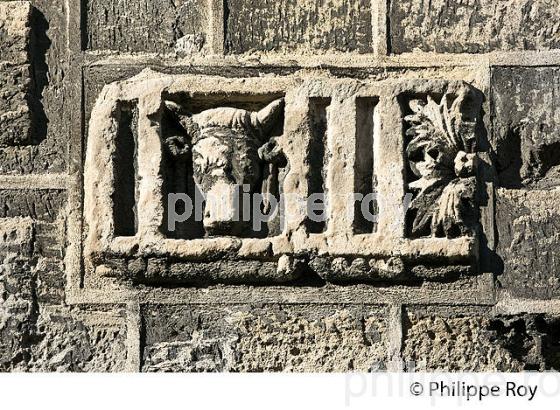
(264, 119)
(178, 113)
(185, 120)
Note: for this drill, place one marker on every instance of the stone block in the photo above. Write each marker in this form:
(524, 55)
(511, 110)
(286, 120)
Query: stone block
(162, 26)
(17, 312)
(79, 340)
(38, 337)
(528, 223)
(301, 26)
(526, 126)
(480, 26)
(45, 148)
(15, 73)
(42, 205)
(51, 281)
(246, 338)
(467, 341)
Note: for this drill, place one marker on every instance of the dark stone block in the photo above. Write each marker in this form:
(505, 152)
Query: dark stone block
(51, 281)
(526, 137)
(48, 239)
(526, 125)
(44, 147)
(15, 73)
(528, 223)
(42, 205)
(457, 26)
(335, 25)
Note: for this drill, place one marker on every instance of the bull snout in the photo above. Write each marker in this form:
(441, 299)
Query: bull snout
(222, 211)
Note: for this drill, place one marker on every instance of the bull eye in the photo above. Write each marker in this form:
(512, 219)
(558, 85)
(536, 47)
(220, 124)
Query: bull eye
(246, 162)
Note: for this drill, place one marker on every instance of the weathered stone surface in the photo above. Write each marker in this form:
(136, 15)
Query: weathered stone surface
(38, 333)
(15, 73)
(51, 281)
(528, 224)
(185, 134)
(17, 312)
(133, 108)
(473, 26)
(526, 125)
(41, 204)
(476, 343)
(16, 236)
(268, 338)
(303, 26)
(144, 25)
(45, 149)
(38, 337)
(73, 340)
(526, 137)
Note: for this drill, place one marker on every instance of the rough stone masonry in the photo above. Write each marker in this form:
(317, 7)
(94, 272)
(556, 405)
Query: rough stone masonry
(439, 118)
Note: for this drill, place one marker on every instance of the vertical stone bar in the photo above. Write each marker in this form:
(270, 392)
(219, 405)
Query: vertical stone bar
(74, 95)
(379, 23)
(150, 205)
(217, 23)
(296, 185)
(341, 136)
(390, 168)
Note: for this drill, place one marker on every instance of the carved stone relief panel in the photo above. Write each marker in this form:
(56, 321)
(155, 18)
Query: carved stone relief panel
(195, 180)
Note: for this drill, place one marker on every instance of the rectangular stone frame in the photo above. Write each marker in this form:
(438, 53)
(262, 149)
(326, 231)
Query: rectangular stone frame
(480, 292)
(338, 240)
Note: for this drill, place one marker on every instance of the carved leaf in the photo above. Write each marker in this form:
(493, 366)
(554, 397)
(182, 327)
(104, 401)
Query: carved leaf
(452, 213)
(423, 205)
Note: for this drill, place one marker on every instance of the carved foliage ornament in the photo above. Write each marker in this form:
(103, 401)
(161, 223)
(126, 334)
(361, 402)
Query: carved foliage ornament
(442, 157)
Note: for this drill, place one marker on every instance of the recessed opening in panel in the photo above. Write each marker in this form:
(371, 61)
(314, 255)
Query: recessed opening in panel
(317, 160)
(223, 155)
(365, 182)
(178, 183)
(125, 196)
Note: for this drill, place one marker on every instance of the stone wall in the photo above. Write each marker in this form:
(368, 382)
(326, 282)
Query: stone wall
(448, 110)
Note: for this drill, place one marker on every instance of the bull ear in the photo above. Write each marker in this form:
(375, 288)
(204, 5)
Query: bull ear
(272, 152)
(265, 119)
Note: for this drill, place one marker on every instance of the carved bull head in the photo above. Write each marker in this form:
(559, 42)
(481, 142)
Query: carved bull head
(229, 148)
